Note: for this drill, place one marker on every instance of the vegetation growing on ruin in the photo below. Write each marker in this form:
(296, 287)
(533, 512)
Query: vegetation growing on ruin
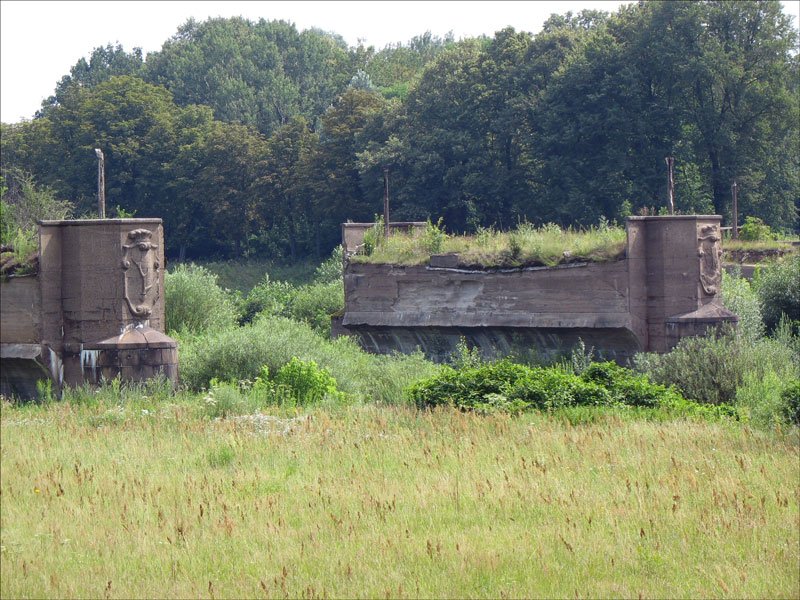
(526, 245)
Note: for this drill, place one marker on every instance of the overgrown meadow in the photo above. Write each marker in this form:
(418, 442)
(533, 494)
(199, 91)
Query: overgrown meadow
(291, 465)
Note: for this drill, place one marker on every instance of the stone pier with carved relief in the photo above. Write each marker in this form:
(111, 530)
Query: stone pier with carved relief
(666, 287)
(94, 311)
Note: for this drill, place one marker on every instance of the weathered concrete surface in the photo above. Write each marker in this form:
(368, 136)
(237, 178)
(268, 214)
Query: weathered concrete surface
(534, 344)
(20, 317)
(98, 281)
(646, 301)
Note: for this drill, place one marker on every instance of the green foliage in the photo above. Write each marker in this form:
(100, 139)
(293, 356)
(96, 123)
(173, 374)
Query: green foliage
(330, 270)
(778, 288)
(465, 357)
(225, 399)
(268, 298)
(246, 138)
(315, 304)
(790, 401)
(24, 203)
(194, 303)
(242, 353)
(434, 237)
(711, 369)
(511, 387)
(739, 296)
(24, 245)
(767, 400)
(548, 245)
(374, 237)
(308, 383)
(755, 230)
(44, 390)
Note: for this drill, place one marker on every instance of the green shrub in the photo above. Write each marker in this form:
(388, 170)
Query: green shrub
(313, 304)
(739, 296)
(511, 387)
(778, 288)
(765, 399)
(711, 369)
(625, 386)
(225, 399)
(374, 237)
(194, 303)
(241, 353)
(307, 382)
(330, 270)
(434, 237)
(316, 303)
(790, 403)
(755, 230)
(25, 203)
(268, 297)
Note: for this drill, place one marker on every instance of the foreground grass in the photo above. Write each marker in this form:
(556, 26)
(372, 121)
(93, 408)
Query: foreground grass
(126, 501)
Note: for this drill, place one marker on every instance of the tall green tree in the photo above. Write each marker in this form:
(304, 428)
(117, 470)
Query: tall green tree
(104, 62)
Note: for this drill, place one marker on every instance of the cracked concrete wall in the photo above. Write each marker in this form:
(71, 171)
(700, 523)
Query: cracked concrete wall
(620, 307)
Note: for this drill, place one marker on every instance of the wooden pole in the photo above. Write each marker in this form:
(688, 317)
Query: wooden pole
(386, 202)
(101, 183)
(735, 228)
(670, 185)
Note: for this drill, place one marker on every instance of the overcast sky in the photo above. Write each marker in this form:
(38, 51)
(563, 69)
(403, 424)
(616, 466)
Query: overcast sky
(40, 41)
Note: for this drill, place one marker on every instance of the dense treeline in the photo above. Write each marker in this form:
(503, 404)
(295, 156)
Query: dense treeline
(252, 138)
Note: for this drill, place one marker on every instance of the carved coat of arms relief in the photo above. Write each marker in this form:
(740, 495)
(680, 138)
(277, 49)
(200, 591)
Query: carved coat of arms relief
(141, 272)
(710, 252)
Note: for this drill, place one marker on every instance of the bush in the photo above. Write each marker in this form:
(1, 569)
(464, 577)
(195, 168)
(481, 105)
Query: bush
(767, 399)
(374, 237)
(790, 403)
(24, 203)
(511, 387)
(626, 387)
(434, 237)
(307, 383)
(316, 303)
(755, 230)
(711, 369)
(331, 269)
(313, 304)
(241, 353)
(778, 288)
(268, 297)
(194, 303)
(739, 296)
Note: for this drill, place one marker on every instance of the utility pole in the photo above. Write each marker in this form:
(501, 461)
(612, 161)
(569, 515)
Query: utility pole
(735, 192)
(386, 202)
(670, 185)
(101, 183)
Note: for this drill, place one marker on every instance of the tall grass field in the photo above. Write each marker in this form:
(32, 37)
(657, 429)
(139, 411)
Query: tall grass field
(153, 498)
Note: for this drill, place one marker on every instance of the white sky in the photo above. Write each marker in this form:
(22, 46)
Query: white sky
(41, 40)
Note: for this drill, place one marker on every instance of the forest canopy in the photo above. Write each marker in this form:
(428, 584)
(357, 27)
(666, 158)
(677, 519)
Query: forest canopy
(253, 138)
